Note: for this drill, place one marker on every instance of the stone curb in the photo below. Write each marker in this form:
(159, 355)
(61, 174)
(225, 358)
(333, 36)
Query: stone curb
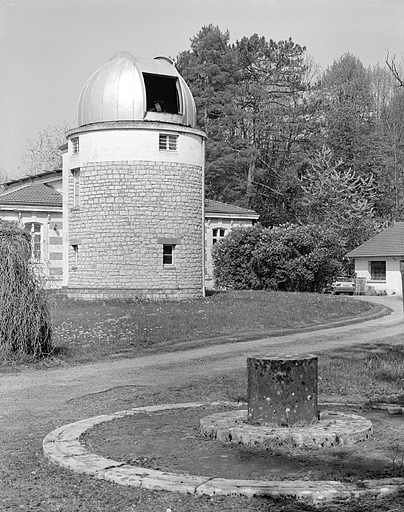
(62, 446)
(332, 429)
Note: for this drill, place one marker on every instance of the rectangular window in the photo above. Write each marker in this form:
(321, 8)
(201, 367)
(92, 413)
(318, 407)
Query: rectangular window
(76, 187)
(218, 233)
(36, 242)
(168, 142)
(378, 270)
(168, 255)
(76, 254)
(75, 145)
(36, 239)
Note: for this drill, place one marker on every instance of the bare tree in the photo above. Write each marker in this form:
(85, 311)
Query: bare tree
(42, 154)
(3, 177)
(391, 64)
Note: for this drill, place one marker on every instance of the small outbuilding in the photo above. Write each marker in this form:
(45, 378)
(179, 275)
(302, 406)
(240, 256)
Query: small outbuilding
(220, 219)
(35, 202)
(380, 259)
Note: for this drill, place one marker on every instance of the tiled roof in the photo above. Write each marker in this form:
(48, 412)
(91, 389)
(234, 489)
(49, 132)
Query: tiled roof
(32, 195)
(34, 177)
(389, 242)
(221, 208)
(41, 194)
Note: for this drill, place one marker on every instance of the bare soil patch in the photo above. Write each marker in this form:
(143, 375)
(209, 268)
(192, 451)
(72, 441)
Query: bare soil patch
(171, 441)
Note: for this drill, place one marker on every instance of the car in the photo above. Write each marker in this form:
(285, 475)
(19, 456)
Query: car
(343, 285)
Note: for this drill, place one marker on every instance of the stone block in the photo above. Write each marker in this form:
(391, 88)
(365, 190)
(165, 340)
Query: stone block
(282, 390)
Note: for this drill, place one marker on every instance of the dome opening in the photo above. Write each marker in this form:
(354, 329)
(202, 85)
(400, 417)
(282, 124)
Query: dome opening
(127, 88)
(161, 93)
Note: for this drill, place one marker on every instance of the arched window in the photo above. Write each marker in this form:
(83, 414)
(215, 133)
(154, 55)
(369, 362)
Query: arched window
(36, 239)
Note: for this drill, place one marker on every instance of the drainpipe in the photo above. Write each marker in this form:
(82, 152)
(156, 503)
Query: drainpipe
(402, 279)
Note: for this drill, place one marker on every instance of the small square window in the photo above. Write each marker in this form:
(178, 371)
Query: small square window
(378, 270)
(168, 255)
(218, 233)
(75, 145)
(168, 142)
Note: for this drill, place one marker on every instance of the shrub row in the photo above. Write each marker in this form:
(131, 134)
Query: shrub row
(289, 257)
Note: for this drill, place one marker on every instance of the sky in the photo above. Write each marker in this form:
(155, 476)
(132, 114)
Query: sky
(49, 48)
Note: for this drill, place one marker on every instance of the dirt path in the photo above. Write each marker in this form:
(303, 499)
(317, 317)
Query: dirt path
(36, 393)
(34, 403)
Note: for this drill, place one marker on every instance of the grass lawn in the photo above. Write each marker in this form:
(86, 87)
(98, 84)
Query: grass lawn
(30, 483)
(93, 331)
(89, 331)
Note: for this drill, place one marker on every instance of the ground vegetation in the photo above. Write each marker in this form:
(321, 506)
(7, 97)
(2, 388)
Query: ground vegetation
(369, 374)
(85, 331)
(25, 323)
(289, 257)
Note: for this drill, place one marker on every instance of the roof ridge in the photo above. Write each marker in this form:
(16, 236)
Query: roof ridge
(232, 206)
(389, 242)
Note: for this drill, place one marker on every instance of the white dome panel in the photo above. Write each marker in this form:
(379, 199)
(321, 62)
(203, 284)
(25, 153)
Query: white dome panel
(118, 91)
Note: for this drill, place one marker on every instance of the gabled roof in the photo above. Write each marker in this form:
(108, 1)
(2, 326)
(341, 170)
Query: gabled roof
(389, 242)
(41, 176)
(217, 207)
(39, 194)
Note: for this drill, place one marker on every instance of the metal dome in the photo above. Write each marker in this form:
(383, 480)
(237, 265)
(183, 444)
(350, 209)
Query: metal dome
(131, 89)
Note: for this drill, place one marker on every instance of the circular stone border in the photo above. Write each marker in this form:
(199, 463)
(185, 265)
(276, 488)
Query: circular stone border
(63, 447)
(332, 429)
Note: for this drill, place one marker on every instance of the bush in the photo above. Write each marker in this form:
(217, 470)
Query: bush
(25, 324)
(285, 258)
(233, 260)
(298, 258)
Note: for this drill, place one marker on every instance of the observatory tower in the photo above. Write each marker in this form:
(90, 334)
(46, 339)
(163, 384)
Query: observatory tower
(133, 185)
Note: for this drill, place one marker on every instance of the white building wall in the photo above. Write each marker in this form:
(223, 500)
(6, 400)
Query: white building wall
(219, 222)
(134, 198)
(139, 142)
(51, 261)
(392, 284)
(65, 195)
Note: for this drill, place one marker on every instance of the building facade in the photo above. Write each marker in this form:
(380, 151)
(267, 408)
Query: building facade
(380, 261)
(133, 174)
(220, 219)
(126, 215)
(36, 203)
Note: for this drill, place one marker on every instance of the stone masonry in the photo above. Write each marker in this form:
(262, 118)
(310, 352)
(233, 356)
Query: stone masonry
(127, 211)
(282, 390)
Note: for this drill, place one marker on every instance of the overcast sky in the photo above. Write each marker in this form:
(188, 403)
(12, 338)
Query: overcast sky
(49, 48)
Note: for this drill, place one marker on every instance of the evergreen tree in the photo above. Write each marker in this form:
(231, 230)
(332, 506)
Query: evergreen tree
(349, 115)
(251, 102)
(209, 68)
(336, 197)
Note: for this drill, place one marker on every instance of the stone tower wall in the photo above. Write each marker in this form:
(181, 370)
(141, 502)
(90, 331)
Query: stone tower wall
(127, 210)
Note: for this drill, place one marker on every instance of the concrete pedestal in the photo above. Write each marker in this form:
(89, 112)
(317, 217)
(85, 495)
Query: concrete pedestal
(282, 390)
